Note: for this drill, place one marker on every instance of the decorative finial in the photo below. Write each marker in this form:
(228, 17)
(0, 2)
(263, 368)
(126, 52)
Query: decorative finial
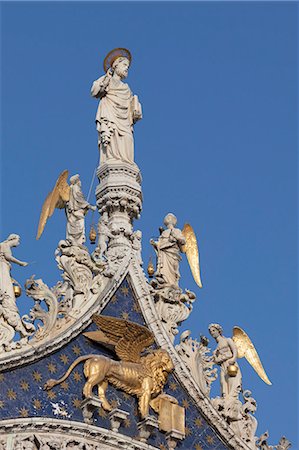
(150, 268)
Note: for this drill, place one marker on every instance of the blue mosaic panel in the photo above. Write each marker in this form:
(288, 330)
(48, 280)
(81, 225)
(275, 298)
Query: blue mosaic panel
(22, 393)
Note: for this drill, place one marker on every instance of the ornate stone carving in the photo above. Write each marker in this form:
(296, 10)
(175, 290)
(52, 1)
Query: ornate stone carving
(80, 272)
(244, 423)
(143, 376)
(196, 357)
(262, 444)
(173, 305)
(119, 201)
(40, 292)
(10, 320)
(68, 435)
(118, 110)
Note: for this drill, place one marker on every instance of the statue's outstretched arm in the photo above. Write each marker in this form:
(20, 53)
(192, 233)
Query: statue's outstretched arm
(99, 86)
(12, 259)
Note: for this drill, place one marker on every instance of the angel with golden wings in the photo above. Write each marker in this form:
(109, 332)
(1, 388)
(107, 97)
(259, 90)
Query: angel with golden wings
(226, 354)
(71, 198)
(134, 373)
(171, 243)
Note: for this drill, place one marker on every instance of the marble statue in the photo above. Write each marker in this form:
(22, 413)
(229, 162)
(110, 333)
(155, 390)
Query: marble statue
(76, 209)
(118, 109)
(225, 355)
(168, 249)
(71, 198)
(9, 312)
(104, 234)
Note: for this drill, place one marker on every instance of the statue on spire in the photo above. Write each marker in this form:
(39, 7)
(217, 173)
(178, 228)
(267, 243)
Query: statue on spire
(118, 109)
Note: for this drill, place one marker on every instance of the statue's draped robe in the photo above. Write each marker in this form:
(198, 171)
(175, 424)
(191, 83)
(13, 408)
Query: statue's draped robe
(168, 251)
(114, 118)
(76, 209)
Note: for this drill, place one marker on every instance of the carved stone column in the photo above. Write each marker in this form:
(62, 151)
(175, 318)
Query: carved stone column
(119, 196)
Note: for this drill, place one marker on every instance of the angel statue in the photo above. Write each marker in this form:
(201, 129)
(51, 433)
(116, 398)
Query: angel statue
(141, 375)
(69, 197)
(225, 355)
(8, 307)
(171, 243)
(118, 110)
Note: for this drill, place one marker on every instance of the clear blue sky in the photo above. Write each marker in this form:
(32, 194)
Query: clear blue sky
(217, 147)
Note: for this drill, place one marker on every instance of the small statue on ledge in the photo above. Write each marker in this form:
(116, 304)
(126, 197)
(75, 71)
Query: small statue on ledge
(118, 110)
(10, 320)
(71, 198)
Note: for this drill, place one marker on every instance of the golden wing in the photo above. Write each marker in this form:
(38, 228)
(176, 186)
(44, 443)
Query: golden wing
(55, 199)
(191, 250)
(246, 348)
(60, 193)
(128, 338)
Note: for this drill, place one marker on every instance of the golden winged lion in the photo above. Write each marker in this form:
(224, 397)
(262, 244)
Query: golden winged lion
(143, 376)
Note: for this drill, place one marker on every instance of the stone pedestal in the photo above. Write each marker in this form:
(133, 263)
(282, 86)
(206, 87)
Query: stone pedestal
(88, 406)
(173, 437)
(146, 427)
(119, 194)
(117, 416)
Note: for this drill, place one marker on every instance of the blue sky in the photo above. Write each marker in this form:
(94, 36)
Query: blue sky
(216, 146)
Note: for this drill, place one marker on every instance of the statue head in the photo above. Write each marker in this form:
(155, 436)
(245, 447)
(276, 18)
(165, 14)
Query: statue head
(13, 240)
(121, 67)
(215, 330)
(75, 179)
(170, 220)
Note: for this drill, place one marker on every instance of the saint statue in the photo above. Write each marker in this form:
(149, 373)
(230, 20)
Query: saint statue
(168, 248)
(8, 307)
(118, 110)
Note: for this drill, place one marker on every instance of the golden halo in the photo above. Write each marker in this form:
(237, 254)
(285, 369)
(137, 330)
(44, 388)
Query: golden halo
(114, 54)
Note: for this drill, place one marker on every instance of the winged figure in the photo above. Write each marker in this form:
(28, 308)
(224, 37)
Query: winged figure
(143, 376)
(172, 241)
(69, 197)
(226, 354)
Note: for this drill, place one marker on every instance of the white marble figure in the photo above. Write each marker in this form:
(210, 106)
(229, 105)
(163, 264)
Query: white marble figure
(118, 111)
(76, 208)
(225, 355)
(168, 249)
(136, 245)
(8, 307)
(104, 234)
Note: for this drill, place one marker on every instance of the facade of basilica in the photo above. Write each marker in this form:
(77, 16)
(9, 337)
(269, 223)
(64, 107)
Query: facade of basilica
(94, 365)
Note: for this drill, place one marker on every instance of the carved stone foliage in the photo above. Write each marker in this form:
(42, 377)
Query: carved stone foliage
(82, 277)
(262, 443)
(173, 307)
(196, 357)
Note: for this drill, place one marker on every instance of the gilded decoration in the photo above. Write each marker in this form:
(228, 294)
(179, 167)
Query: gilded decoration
(68, 395)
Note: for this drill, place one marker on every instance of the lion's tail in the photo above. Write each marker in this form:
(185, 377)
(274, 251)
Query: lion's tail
(50, 383)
